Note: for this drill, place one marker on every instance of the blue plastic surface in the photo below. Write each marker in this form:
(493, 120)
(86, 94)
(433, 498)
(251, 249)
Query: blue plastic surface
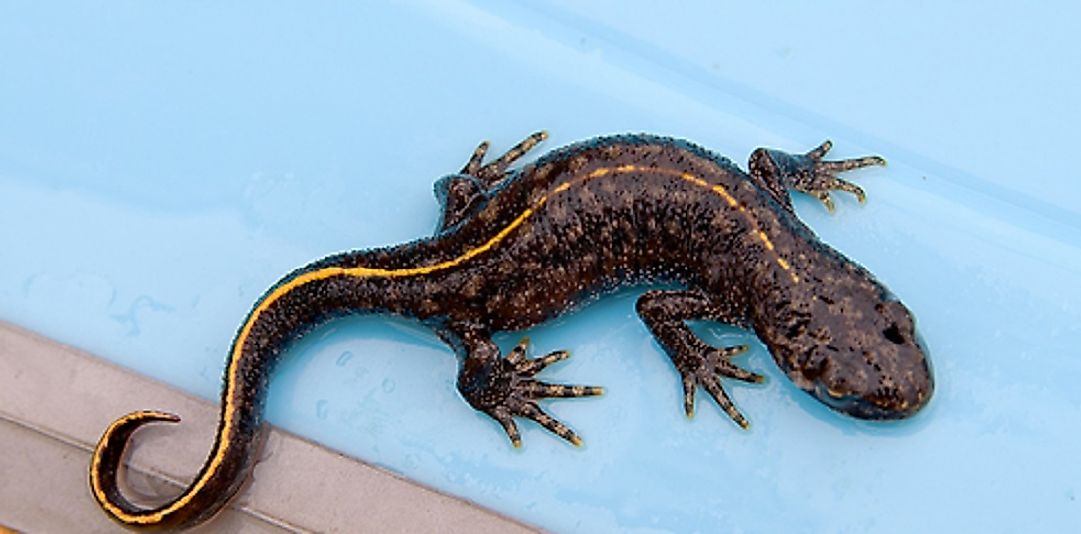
(161, 165)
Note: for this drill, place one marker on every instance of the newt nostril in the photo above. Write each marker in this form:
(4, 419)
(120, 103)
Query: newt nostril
(894, 334)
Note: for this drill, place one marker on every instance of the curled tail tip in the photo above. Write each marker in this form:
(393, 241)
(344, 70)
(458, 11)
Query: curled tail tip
(149, 416)
(135, 420)
(222, 475)
(115, 438)
(106, 460)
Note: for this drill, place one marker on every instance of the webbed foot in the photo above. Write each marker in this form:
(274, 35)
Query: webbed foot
(808, 173)
(504, 388)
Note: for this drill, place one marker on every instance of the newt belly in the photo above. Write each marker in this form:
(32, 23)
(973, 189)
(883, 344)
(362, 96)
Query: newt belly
(515, 248)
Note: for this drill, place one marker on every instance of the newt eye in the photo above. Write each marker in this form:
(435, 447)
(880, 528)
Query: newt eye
(893, 334)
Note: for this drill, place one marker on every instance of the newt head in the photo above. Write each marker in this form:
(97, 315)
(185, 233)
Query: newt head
(852, 345)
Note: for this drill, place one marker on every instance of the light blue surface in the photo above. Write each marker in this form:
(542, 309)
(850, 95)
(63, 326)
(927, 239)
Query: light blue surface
(161, 165)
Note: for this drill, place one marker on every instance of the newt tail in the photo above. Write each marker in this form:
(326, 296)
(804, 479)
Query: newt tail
(303, 300)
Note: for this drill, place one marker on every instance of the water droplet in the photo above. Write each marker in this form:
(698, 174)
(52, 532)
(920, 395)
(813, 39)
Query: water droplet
(344, 358)
(321, 408)
(388, 385)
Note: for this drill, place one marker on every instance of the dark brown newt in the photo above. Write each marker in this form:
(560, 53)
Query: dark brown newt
(515, 248)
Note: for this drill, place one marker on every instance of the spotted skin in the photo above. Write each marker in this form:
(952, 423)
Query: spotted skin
(515, 248)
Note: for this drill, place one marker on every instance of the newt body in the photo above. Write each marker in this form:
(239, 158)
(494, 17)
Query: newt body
(515, 248)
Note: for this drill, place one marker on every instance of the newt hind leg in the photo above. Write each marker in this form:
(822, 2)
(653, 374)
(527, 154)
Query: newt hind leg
(505, 388)
(463, 194)
(779, 171)
(699, 364)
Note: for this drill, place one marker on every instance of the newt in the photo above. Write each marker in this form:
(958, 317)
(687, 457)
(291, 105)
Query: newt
(517, 247)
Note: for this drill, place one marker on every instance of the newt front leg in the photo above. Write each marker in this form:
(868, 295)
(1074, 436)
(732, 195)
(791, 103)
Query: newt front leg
(665, 314)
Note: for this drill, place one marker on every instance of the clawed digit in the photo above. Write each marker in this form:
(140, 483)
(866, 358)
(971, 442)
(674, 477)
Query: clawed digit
(539, 390)
(525, 391)
(495, 170)
(822, 179)
(504, 417)
(533, 412)
(706, 370)
(476, 159)
(818, 152)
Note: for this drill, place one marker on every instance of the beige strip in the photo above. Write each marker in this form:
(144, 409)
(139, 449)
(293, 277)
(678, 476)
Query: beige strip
(55, 400)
